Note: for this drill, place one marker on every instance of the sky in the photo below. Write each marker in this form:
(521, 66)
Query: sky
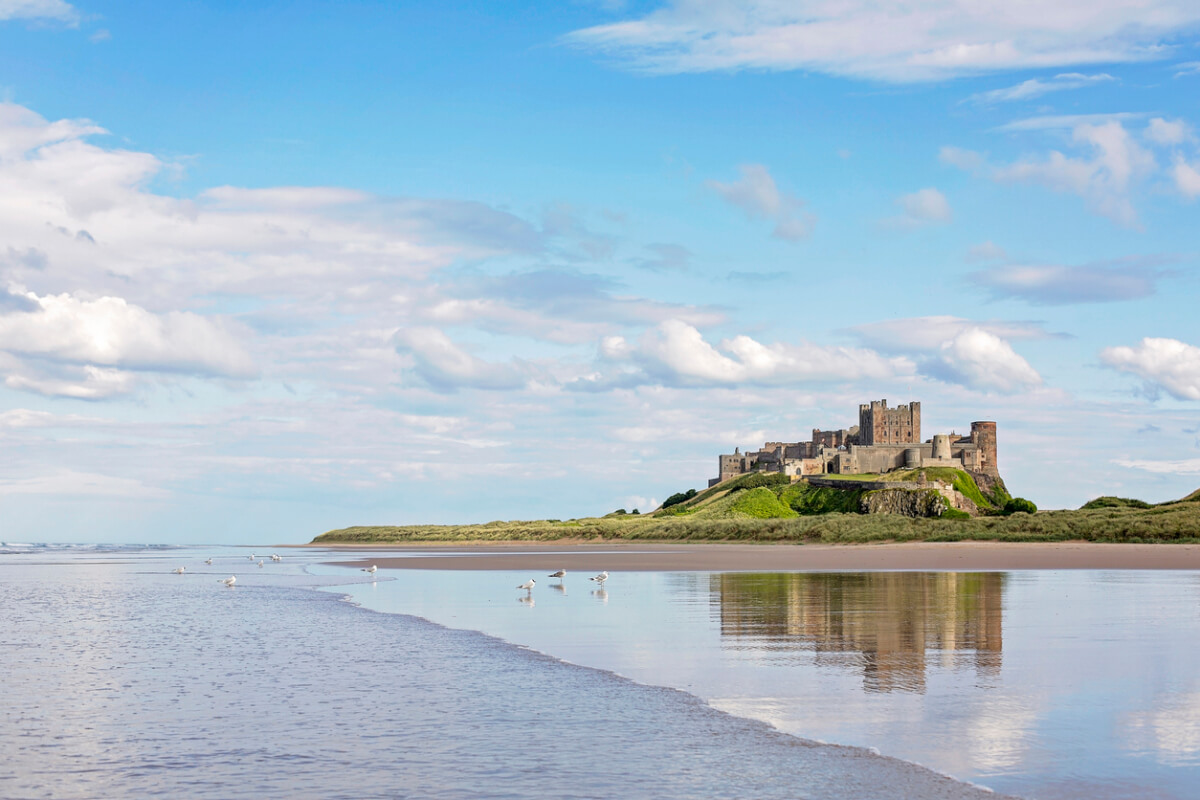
(270, 269)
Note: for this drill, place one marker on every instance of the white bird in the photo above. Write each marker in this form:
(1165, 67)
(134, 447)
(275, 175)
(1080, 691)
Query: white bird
(601, 578)
(209, 562)
(230, 581)
(371, 569)
(261, 562)
(560, 574)
(252, 556)
(527, 585)
(275, 557)
(178, 570)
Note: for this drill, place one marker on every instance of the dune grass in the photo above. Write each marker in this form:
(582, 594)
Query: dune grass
(1177, 521)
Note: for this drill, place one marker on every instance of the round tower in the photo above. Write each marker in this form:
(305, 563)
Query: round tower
(941, 447)
(984, 436)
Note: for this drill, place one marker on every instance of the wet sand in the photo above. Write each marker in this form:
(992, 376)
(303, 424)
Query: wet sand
(713, 557)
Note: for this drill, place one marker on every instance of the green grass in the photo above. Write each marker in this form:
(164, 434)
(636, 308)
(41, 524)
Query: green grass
(760, 503)
(806, 499)
(732, 517)
(1114, 502)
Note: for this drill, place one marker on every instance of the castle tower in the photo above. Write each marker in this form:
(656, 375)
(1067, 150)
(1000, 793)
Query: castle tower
(878, 424)
(941, 447)
(983, 434)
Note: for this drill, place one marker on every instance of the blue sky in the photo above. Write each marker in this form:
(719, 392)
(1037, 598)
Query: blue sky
(270, 269)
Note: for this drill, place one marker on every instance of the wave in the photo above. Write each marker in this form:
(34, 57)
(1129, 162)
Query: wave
(20, 548)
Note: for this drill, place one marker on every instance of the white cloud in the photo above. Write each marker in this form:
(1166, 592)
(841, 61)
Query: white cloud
(1187, 177)
(986, 251)
(1104, 176)
(446, 366)
(72, 483)
(1187, 466)
(922, 40)
(1161, 131)
(676, 354)
(1036, 87)
(1187, 68)
(758, 195)
(1069, 121)
(955, 350)
(966, 160)
(110, 332)
(1163, 363)
(928, 334)
(39, 9)
(981, 360)
(89, 210)
(1054, 284)
(922, 207)
(81, 383)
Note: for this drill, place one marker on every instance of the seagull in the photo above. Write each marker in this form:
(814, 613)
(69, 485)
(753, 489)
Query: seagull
(275, 557)
(260, 562)
(230, 581)
(527, 585)
(560, 574)
(178, 570)
(371, 569)
(252, 556)
(601, 578)
(209, 562)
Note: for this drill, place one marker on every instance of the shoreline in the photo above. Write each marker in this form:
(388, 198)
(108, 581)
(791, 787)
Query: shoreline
(627, 556)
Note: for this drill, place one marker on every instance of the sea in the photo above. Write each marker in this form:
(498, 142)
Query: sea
(122, 678)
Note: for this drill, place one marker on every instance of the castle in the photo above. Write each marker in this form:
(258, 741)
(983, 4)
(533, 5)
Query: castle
(885, 439)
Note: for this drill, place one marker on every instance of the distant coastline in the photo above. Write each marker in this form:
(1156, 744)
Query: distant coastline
(1105, 520)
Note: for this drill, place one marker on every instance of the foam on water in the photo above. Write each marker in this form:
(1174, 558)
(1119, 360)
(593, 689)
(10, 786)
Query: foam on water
(126, 681)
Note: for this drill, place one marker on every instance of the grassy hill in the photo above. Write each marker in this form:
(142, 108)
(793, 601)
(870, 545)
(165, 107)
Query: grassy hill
(769, 508)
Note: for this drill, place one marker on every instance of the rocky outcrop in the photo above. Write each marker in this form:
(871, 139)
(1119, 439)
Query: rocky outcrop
(906, 502)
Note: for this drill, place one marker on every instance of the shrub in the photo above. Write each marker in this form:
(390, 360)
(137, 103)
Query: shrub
(954, 513)
(1113, 502)
(1019, 504)
(679, 497)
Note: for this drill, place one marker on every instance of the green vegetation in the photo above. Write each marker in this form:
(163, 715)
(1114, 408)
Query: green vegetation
(1115, 502)
(678, 498)
(763, 507)
(1019, 505)
(805, 499)
(760, 503)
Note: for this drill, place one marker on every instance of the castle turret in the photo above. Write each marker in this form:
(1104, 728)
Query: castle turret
(941, 447)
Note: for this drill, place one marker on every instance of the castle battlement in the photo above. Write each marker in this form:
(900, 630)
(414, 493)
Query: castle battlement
(885, 439)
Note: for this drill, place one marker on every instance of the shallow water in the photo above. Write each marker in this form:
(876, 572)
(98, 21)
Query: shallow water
(1045, 684)
(121, 679)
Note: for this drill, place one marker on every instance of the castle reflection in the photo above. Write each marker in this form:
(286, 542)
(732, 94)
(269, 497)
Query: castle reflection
(891, 626)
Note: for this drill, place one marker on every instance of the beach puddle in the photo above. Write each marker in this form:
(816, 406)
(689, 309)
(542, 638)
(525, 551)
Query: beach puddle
(1075, 684)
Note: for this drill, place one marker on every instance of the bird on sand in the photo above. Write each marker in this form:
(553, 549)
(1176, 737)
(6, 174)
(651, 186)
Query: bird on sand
(261, 562)
(275, 557)
(230, 581)
(560, 574)
(601, 578)
(252, 556)
(371, 569)
(527, 585)
(209, 562)
(178, 570)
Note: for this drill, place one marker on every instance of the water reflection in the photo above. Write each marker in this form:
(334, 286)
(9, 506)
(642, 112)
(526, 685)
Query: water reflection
(888, 625)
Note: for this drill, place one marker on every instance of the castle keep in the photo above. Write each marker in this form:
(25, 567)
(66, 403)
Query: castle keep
(885, 439)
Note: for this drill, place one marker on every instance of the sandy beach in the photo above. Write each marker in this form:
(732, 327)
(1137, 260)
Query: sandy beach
(707, 557)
